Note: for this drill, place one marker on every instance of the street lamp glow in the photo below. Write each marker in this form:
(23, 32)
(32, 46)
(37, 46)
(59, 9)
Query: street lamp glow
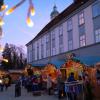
(5, 60)
(1, 22)
(1, 49)
(29, 22)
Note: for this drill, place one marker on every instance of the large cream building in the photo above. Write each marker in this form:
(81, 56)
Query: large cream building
(75, 30)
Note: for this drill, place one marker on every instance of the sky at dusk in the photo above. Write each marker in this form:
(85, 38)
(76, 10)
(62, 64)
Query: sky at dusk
(15, 28)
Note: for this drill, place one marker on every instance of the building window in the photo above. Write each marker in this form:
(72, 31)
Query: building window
(70, 45)
(33, 55)
(53, 43)
(97, 35)
(60, 35)
(61, 49)
(42, 51)
(61, 39)
(96, 9)
(37, 51)
(42, 48)
(82, 40)
(81, 18)
(69, 25)
(48, 45)
(30, 53)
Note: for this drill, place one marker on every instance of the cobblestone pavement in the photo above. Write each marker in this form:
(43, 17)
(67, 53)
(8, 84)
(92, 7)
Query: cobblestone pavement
(9, 95)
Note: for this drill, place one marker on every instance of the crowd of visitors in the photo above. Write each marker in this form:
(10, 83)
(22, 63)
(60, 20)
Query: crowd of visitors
(35, 84)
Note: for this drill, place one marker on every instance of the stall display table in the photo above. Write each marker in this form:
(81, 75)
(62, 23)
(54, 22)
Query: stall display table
(76, 88)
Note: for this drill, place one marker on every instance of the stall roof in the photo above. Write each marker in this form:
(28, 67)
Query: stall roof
(58, 63)
(38, 65)
(89, 60)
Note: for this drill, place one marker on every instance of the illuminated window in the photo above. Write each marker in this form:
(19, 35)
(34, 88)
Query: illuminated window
(82, 40)
(81, 18)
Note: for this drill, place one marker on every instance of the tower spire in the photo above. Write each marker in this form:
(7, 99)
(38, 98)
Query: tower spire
(54, 13)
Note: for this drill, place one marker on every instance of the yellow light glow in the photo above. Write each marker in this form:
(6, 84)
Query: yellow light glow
(1, 22)
(29, 22)
(3, 7)
(5, 60)
(1, 49)
(32, 11)
(10, 10)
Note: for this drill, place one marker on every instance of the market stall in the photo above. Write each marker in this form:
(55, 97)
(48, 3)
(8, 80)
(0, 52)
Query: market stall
(96, 78)
(49, 69)
(73, 69)
(72, 66)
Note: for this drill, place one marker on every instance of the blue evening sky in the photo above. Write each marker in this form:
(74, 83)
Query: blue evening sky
(15, 28)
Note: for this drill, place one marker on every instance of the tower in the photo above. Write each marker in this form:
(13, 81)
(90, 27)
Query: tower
(54, 13)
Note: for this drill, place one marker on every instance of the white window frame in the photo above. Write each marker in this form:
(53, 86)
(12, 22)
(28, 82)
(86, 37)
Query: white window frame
(82, 40)
(81, 18)
(97, 35)
(69, 25)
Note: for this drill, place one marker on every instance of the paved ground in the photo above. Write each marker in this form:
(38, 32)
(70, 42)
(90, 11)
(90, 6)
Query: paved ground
(9, 95)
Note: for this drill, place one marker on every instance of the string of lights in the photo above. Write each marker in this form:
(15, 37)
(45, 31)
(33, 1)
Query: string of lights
(30, 12)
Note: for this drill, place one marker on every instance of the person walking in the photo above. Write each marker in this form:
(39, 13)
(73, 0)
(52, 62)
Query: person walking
(49, 84)
(6, 82)
(72, 95)
(1, 84)
(18, 89)
(60, 85)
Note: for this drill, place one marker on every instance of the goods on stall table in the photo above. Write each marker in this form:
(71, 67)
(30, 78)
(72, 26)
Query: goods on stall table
(50, 69)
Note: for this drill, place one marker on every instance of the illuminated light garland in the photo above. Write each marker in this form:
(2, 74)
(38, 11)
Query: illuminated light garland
(11, 10)
(1, 49)
(31, 11)
(3, 7)
(1, 22)
(29, 22)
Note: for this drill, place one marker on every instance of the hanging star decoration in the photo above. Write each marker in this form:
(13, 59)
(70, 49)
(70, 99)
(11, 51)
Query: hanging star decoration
(31, 11)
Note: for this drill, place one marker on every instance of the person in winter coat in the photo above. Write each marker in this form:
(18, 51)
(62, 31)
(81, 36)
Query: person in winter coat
(17, 89)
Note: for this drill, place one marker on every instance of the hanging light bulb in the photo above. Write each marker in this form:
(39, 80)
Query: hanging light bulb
(10, 10)
(29, 22)
(31, 7)
(1, 22)
(3, 7)
(14, 7)
(32, 10)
